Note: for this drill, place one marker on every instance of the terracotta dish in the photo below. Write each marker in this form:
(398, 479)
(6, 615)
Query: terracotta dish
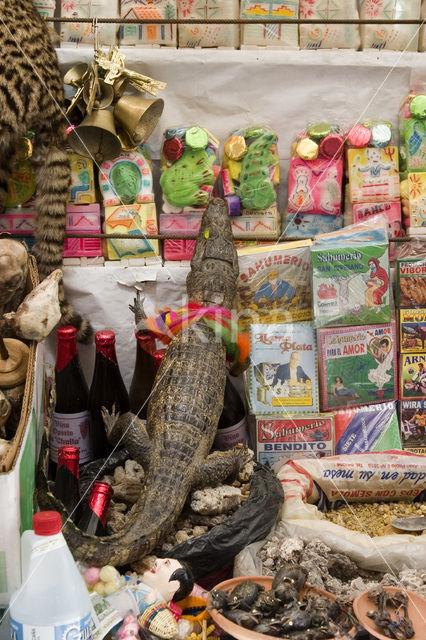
(241, 633)
(416, 613)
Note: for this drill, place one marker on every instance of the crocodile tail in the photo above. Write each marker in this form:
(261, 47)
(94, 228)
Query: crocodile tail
(52, 172)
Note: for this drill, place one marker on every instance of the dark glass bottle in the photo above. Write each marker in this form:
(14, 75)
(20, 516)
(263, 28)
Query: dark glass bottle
(232, 427)
(107, 389)
(71, 419)
(147, 362)
(95, 511)
(67, 489)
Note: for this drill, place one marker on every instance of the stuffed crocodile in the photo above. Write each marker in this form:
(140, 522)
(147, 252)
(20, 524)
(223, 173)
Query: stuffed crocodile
(184, 410)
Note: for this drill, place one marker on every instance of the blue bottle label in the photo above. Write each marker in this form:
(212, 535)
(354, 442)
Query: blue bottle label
(76, 630)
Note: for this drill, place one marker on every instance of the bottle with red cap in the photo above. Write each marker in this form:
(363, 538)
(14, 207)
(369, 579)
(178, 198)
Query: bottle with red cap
(71, 420)
(95, 511)
(107, 389)
(53, 601)
(148, 359)
(67, 488)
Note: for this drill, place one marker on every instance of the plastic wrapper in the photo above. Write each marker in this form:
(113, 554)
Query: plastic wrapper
(251, 522)
(373, 174)
(350, 275)
(413, 425)
(275, 34)
(309, 225)
(208, 35)
(274, 284)
(163, 34)
(282, 374)
(131, 219)
(82, 189)
(316, 170)
(358, 365)
(411, 280)
(82, 32)
(189, 171)
(364, 477)
(370, 428)
(280, 438)
(329, 36)
(397, 37)
(127, 179)
(417, 202)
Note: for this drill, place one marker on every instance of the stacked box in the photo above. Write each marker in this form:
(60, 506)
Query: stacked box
(283, 368)
(275, 34)
(396, 37)
(46, 8)
(282, 438)
(85, 218)
(350, 278)
(371, 428)
(82, 32)
(309, 225)
(129, 220)
(189, 171)
(274, 284)
(357, 365)
(148, 34)
(208, 35)
(329, 36)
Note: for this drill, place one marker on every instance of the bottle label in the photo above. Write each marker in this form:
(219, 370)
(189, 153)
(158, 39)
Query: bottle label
(230, 436)
(71, 429)
(79, 629)
(40, 547)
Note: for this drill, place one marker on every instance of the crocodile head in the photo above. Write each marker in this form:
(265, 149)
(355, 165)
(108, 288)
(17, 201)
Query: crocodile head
(214, 266)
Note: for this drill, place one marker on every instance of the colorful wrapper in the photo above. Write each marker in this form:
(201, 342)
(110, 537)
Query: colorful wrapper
(283, 368)
(329, 36)
(315, 186)
(371, 428)
(208, 35)
(82, 32)
(412, 330)
(397, 37)
(414, 133)
(271, 33)
(82, 190)
(417, 199)
(413, 425)
(411, 283)
(164, 34)
(131, 219)
(357, 365)
(412, 375)
(127, 179)
(308, 225)
(274, 284)
(373, 174)
(280, 438)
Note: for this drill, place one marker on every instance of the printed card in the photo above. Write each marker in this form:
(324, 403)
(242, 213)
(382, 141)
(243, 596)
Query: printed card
(373, 174)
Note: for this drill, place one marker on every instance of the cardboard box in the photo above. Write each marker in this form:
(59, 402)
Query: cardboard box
(85, 218)
(370, 428)
(131, 219)
(413, 423)
(148, 33)
(411, 283)
(274, 283)
(283, 368)
(392, 211)
(276, 34)
(82, 190)
(412, 330)
(208, 35)
(357, 365)
(82, 32)
(17, 472)
(373, 174)
(283, 438)
(266, 223)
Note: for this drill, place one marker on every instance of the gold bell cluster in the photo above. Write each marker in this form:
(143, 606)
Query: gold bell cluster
(106, 120)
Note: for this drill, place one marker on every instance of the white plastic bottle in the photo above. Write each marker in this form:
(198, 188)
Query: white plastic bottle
(53, 602)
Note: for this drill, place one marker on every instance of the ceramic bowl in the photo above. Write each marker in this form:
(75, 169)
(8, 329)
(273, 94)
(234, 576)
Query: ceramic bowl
(241, 633)
(416, 612)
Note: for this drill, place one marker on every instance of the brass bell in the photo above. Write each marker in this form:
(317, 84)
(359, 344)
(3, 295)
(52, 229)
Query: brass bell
(120, 86)
(77, 74)
(104, 95)
(126, 143)
(95, 137)
(138, 116)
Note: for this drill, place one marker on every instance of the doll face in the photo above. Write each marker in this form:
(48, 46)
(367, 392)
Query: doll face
(159, 575)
